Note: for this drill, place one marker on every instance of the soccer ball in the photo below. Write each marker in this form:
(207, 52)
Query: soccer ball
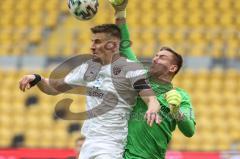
(83, 9)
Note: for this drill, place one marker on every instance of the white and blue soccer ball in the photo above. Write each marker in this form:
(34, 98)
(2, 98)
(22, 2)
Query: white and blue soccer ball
(83, 9)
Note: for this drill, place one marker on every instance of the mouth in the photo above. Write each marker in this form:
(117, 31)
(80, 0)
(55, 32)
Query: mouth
(94, 54)
(94, 57)
(151, 66)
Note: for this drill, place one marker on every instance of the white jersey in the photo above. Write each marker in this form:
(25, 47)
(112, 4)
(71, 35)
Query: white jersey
(111, 95)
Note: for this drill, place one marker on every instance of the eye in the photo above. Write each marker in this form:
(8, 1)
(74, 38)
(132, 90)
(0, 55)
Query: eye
(97, 41)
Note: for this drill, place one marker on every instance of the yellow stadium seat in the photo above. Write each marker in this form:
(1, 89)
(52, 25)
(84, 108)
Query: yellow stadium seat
(223, 142)
(211, 19)
(206, 141)
(35, 35)
(208, 5)
(232, 49)
(6, 136)
(60, 135)
(32, 134)
(52, 20)
(226, 20)
(72, 139)
(36, 6)
(31, 143)
(64, 7)
(225, 5)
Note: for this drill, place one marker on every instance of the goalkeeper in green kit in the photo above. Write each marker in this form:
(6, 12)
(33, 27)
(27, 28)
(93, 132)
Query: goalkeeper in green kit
(150, 142)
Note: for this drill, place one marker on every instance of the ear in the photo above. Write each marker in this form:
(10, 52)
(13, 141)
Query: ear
(173, 68)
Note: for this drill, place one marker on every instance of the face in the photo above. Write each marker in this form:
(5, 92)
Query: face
(163, 64)
(102, 47)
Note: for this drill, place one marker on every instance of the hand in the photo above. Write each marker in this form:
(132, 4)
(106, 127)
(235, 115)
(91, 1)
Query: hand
(24, 83)
(174, 100)
(120, 7)
(152, 114)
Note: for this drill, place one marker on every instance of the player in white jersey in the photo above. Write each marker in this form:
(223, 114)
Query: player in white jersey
(113, 82)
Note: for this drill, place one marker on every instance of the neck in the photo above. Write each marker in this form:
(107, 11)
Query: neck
(162, 79)
(111, 59)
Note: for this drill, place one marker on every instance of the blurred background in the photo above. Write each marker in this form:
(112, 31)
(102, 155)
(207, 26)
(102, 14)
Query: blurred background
(37, 35)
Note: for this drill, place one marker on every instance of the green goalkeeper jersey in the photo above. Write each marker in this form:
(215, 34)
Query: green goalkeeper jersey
(143, 141)
(147, 142)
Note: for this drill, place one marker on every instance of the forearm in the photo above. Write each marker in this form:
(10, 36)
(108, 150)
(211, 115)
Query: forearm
(149, 98)
(125, 48)
(120, 21)
(153, 105)
(45, 86)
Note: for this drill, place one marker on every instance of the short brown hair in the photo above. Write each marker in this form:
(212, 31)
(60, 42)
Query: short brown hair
(111, 29)
(177, 57)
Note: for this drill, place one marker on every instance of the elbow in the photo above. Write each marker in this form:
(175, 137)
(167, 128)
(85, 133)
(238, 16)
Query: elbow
(190, 133)
(52, 93)
(187, 127)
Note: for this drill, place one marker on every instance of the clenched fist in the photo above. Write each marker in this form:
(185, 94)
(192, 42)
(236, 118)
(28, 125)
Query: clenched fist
(28, 81)
(174, 100)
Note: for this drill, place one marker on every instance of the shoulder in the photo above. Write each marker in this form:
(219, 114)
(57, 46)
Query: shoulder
(129, 64)
(183, 93)
(90, 62)
(126, 60)
(82, 66)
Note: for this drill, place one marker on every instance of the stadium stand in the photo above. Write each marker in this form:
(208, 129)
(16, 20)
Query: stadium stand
(213, 96)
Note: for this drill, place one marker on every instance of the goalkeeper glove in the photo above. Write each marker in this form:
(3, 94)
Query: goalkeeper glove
(174, 99)
(119, 7)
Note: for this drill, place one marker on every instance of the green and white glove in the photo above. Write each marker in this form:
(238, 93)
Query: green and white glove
(116, 2)
(119, 7)
(174, 100)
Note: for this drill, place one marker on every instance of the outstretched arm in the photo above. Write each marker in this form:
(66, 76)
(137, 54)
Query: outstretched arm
(120, 17)
(42, 83)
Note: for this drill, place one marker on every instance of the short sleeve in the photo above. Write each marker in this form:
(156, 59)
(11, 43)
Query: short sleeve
(76, 76)
(135, 72)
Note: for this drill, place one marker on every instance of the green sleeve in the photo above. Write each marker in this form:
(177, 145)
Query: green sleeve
(187, 125)
(125, 47)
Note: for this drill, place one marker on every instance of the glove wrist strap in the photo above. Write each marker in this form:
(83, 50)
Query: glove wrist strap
(121, 14)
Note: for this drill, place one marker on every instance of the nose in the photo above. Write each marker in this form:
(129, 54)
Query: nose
(154, 60)
(93, 47)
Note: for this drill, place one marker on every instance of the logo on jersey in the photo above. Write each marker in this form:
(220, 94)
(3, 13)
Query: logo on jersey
(116, 70)
(95, 92)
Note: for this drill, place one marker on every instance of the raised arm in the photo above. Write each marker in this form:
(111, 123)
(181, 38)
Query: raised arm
(120, 18)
